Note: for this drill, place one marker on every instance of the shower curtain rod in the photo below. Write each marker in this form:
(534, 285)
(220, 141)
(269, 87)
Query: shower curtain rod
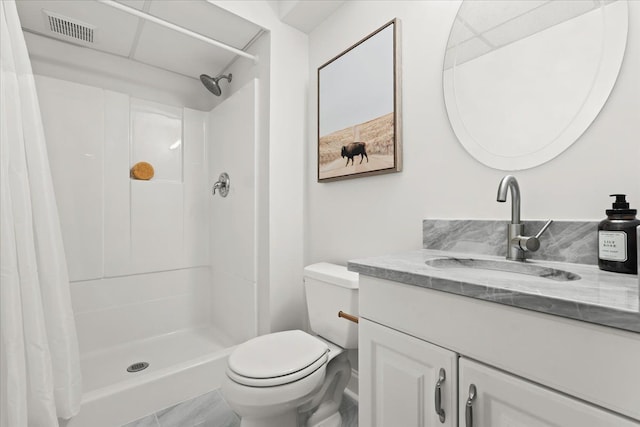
(143, 15)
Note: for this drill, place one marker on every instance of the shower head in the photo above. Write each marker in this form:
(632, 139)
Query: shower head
(211, 83)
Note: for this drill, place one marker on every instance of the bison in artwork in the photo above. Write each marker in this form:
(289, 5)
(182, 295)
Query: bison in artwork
(354, 149)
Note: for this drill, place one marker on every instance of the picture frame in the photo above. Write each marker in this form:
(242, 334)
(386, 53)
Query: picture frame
(359, 108)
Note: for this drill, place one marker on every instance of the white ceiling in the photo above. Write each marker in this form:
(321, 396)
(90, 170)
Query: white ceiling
(121, 34)
(305, 15)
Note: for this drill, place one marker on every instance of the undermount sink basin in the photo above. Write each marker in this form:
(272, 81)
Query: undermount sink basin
(503, 266)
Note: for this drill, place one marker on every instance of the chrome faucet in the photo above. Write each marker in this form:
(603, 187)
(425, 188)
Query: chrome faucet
(517, 243)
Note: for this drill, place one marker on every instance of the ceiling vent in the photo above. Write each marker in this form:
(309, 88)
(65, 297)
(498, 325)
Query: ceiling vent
(68, 27)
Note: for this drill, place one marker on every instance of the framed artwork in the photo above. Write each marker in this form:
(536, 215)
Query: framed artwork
(359, 120)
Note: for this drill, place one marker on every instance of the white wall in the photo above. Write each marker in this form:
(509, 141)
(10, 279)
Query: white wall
(382, 214)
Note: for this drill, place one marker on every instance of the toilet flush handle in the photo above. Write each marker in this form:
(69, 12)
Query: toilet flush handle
(351, 317)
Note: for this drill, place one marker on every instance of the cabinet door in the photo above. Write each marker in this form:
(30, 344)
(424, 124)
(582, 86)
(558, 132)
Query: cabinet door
(398, 377)
(503, 400)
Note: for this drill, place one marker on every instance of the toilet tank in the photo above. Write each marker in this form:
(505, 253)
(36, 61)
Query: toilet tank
(331, 288)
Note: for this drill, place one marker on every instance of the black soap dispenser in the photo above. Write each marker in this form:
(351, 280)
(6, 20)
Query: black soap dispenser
(617, 240)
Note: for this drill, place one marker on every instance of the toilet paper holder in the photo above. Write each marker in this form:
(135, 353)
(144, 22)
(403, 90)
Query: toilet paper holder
(351, 317)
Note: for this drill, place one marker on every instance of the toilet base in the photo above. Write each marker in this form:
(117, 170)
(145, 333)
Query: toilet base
(314, 400)
(334, 420)
(287, 419)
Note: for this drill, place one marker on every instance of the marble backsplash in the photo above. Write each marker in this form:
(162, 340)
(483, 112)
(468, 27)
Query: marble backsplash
(564, 241)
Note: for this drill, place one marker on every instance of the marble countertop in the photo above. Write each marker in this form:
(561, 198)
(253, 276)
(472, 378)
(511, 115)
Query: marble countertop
(600, 297)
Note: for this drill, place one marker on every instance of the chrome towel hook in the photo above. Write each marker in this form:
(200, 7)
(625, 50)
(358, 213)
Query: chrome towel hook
(222, 184)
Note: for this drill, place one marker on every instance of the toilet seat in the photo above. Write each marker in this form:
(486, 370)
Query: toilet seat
(280, 380)
(277, 359)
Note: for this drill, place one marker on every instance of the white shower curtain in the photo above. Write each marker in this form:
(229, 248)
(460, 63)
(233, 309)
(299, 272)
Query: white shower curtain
(39, 361)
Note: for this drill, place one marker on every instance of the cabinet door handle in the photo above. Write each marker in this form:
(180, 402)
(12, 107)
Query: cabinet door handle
(438, 395)
(469, 406)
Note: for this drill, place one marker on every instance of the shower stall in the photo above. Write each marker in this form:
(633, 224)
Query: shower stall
(164, 274)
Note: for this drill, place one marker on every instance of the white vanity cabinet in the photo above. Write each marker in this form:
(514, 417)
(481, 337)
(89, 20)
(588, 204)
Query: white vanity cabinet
(491, 398)
(529, 369)
(404, 381)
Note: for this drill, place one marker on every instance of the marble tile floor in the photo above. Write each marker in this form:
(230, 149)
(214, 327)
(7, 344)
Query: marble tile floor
(211, 410)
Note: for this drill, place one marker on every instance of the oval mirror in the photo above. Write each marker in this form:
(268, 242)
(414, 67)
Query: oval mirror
(523, 79)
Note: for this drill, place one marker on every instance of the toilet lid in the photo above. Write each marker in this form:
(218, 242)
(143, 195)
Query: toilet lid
(277, 355)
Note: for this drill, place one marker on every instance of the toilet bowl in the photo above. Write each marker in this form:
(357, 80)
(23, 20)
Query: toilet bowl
(285, 378)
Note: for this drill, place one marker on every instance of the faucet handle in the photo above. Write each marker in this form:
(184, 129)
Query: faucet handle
(543, 229)
(527, 243)
(531, 243)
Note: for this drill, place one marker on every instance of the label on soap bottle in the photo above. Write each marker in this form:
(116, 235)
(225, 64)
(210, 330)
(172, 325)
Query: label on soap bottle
(612, 245)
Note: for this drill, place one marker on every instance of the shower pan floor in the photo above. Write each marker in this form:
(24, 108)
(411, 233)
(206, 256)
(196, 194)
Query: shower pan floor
(182, 365)
(170, 352)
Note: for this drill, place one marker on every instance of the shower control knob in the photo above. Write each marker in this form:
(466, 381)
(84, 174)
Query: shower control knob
(222, 184)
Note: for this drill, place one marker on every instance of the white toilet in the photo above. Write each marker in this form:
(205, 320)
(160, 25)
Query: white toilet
(276, 379)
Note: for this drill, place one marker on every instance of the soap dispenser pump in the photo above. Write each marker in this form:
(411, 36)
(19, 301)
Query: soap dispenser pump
(617, 239)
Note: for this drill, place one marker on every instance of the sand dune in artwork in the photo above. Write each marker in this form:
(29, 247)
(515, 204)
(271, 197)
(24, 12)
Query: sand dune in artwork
(378, 134)
(338, 167)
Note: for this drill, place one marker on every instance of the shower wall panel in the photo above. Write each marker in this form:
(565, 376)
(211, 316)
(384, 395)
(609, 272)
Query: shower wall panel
(113, 225)
(73, 119)
(137, 251)
(167, 216)
(117, 217)
(118, 310)
(232, 148)
(196, 194)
